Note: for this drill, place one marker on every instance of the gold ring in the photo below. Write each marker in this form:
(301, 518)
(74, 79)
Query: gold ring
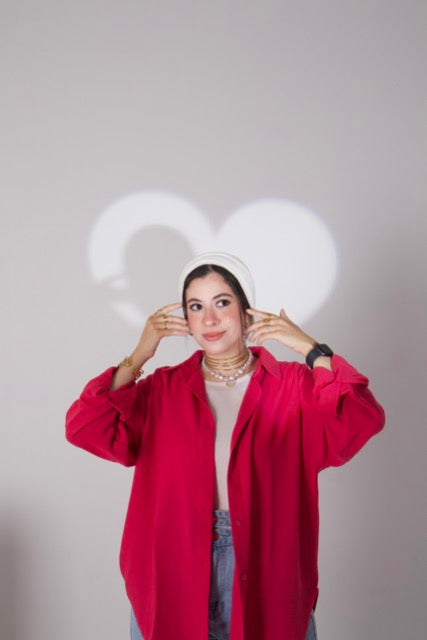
(158, 312)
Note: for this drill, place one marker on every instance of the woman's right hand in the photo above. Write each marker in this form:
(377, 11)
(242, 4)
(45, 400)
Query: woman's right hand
(159, 325)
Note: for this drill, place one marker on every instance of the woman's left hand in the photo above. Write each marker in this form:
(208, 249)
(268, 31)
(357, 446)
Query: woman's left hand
(280, 328)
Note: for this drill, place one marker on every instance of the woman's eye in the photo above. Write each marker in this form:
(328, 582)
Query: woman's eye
(195, 306)
(223, 303)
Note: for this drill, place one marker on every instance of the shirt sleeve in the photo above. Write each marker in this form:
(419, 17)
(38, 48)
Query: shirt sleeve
(341, 412)
(108, 423)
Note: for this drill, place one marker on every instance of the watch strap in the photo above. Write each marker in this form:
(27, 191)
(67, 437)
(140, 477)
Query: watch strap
(317, 351)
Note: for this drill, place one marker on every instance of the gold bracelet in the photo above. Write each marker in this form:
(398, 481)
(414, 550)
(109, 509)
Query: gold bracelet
(128, 362)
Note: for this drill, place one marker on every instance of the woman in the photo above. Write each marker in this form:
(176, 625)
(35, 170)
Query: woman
(221, 534)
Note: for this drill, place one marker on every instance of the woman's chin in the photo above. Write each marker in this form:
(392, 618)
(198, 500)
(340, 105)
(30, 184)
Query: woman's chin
(217, 349)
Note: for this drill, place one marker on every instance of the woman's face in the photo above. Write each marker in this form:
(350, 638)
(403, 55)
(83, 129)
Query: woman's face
(214, 315)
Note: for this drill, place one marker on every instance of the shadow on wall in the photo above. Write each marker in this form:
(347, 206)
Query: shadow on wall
(34, 590)
(154, 259)
(12, 577)
(145, 239)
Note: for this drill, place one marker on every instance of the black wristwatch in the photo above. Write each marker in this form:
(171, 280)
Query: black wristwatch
(318, 350)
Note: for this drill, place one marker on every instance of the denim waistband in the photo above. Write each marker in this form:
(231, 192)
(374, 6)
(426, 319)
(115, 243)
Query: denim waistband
(221, 528)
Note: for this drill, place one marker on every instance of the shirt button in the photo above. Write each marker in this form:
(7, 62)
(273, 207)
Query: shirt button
(237, 523)
(243, 577)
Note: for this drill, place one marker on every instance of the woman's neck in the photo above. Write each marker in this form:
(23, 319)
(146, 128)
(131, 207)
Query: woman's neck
(228, 370)
(227, 364)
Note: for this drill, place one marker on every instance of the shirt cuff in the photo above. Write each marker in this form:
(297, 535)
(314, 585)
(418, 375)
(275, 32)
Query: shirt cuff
(330, 386)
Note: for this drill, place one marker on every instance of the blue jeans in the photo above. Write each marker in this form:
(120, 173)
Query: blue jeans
(222, 571)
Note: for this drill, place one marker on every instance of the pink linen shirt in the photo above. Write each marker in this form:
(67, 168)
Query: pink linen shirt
(293, 422)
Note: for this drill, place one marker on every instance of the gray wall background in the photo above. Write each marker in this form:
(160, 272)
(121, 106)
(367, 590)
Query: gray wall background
(221, 103)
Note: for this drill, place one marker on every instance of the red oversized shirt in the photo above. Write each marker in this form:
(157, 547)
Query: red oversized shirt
(293, 422)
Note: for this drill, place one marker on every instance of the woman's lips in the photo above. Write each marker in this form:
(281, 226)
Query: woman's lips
(213, 336)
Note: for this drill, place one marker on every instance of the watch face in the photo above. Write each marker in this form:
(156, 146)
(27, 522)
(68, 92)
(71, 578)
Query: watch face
(326, 351)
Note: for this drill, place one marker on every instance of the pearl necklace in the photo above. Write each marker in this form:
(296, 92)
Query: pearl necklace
(229, 380)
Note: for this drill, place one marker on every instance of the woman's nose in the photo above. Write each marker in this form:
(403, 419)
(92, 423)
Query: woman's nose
(210, 317)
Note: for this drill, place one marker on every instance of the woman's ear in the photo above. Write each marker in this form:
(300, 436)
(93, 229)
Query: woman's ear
(247, 320)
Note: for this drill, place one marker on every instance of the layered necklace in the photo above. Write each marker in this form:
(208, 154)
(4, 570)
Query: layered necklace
(230, 369)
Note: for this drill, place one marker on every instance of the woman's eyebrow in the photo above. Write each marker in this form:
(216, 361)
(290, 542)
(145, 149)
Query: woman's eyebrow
(219, 295)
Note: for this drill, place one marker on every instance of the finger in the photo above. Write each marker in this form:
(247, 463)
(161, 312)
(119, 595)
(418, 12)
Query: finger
(262, 331)
(266, 335)
(268, 317)
(283, 314)
(258, 312)
(170, 322)
(169, 326)
(175, 332)
(175, 319)
(168, 308)
(253, 331)
(268, 321)
(172, 307)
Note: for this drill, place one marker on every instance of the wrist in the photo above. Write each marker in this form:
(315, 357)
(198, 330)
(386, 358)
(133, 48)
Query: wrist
(140, 357)
(319, 351)
(306, 346)
(129, 364)
(323, 361)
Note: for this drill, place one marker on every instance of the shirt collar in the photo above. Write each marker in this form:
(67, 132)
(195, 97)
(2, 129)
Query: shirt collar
(267, 361)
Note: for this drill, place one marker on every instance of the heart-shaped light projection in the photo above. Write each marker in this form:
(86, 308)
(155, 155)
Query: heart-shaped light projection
(289, 250)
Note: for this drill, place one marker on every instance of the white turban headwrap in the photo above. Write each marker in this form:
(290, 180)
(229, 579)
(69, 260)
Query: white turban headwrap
(233, 264)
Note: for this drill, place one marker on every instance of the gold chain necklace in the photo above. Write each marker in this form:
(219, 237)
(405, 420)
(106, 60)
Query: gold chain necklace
(230, 379)
(227, 364)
